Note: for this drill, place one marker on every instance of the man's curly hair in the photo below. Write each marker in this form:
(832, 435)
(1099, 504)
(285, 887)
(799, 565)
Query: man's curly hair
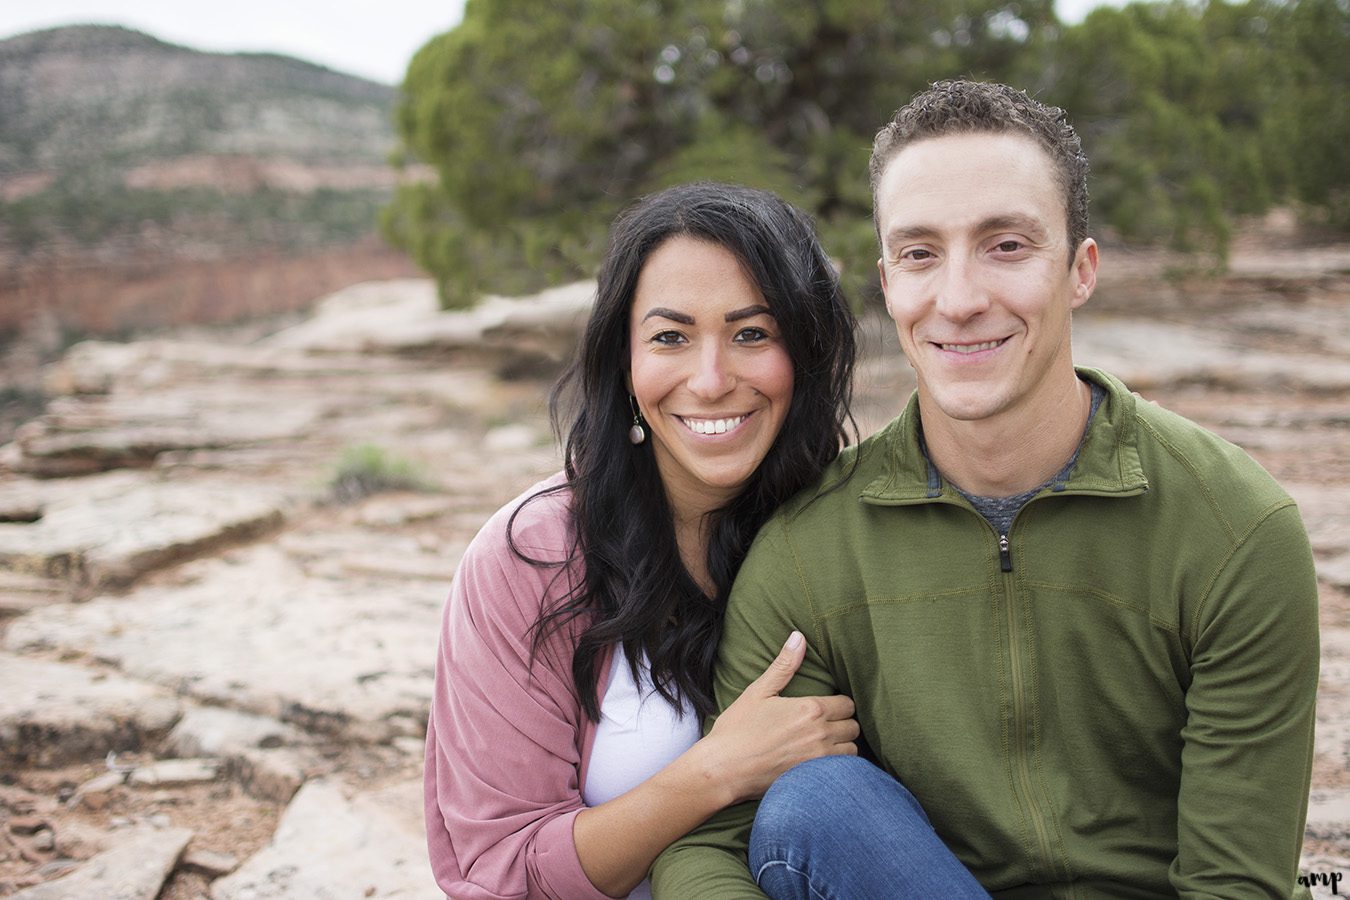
(973, 107)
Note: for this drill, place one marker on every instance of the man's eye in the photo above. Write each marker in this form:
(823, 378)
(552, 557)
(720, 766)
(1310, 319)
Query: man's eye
(918, 254)
(1009, 246)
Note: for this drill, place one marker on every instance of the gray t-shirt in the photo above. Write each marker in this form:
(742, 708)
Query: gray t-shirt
(999, 511)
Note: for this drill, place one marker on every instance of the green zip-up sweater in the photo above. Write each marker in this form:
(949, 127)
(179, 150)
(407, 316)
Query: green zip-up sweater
(1119, 703)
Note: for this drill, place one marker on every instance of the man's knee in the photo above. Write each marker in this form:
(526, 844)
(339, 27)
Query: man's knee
(823, 776)
(804, 795)
(843, 791)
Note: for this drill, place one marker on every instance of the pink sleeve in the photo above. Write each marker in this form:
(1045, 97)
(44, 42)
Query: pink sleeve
(502, 781)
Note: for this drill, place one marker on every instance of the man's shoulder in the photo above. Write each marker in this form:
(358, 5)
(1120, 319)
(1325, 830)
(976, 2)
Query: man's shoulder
(840, 484)
(1178, 452)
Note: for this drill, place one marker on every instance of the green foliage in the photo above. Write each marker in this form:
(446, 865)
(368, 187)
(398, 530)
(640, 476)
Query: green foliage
(368, 469)
(542, 121)
(1309, 127)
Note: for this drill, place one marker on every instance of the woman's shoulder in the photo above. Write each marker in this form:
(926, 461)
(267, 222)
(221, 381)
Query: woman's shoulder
(537, 523)
(518, 562)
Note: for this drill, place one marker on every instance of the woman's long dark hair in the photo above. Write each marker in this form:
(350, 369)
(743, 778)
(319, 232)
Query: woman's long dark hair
(635, 589)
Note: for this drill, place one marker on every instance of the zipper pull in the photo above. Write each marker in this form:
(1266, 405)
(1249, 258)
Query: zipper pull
(1004, 557)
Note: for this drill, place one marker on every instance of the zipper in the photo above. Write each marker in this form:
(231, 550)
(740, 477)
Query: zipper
(1021, 743)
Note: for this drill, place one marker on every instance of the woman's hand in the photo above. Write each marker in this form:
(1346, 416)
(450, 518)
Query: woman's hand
(762, 735)
(756, 739)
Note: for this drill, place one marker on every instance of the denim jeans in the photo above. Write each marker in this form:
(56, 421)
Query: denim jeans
(839, 828)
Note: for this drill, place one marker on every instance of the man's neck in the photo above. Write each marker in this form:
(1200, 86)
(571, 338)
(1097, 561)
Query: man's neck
(1017, 450)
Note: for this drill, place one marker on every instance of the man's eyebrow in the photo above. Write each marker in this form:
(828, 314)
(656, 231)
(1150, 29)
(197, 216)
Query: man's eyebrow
(910, 233)
(669, 314)
(737, 314)
(1003, 222)
(1014, 222)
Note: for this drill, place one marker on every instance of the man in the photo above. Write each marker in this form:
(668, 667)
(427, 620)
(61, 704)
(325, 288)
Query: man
(1081, 630)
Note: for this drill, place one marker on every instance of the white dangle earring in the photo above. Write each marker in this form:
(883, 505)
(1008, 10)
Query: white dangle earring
(637, 434)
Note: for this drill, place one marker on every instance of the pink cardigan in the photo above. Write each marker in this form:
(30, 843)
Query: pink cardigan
(507, 742)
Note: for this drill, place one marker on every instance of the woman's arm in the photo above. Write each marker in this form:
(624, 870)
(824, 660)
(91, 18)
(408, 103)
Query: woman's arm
(503, 758)
(502, 783)
(760, 736)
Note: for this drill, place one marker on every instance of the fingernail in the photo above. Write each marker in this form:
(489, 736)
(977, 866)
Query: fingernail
(794, 640)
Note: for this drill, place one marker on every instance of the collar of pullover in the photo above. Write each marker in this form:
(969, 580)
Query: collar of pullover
(1108, 464)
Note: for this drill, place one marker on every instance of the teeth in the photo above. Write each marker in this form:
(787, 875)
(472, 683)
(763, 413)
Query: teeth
(712, 426)
(971, 348)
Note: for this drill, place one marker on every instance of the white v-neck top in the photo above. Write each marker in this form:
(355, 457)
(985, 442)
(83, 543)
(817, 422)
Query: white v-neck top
(638, 735)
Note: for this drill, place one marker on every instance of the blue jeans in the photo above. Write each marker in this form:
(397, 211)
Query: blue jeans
(839, 828)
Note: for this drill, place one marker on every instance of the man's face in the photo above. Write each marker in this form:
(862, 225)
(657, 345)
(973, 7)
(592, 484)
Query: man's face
(973, 266)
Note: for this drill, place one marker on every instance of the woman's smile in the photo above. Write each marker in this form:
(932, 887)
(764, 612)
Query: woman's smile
(710, 426)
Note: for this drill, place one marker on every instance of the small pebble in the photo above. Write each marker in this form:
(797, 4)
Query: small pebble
(26, 824)
(211, 862)
(44, 840)
(58, 867)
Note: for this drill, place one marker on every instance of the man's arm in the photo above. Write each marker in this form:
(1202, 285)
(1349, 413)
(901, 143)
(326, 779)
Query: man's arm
(768, 601)
(1248, 740)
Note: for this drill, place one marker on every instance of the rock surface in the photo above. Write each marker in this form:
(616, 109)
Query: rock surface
(118, 528)
(135, 869)
(251, 630)
(509, 335)
(228, 611)
(331, 845)
(51, 712)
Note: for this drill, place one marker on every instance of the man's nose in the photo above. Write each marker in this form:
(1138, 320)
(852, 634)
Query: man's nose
(961, 294)
(712, 377)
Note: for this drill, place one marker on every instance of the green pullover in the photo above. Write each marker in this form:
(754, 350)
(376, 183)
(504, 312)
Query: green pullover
(1116, 699)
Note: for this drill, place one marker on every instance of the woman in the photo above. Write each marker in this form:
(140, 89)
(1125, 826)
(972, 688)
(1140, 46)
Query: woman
(575, 666)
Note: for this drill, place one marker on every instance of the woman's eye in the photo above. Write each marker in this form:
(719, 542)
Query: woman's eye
(667, 337)
(751, 335)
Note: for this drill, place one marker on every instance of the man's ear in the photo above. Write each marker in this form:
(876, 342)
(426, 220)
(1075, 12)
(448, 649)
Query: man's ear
(1084, 272)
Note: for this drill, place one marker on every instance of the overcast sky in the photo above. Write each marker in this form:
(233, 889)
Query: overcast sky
(372, 40)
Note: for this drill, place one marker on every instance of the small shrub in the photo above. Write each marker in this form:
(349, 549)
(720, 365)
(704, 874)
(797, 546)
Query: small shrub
(367, 469)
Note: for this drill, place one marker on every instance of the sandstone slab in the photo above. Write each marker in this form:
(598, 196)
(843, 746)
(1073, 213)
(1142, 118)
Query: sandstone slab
(215, 732)
(54, 712)
(267, 757)
(330, 844)
(129, 429)
(1329, 814)
(252, 631)
(1147, 354)
(1326, 514)
(134, 869)
(509, 334)
(120, 528)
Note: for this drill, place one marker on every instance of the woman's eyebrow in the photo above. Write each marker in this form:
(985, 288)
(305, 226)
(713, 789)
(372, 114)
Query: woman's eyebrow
(738, 314)
(671, 314)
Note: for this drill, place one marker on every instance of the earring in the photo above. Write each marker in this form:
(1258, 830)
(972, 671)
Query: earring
(637, 434)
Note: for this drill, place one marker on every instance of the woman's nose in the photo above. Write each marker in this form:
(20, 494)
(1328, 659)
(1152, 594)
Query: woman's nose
(711, 377)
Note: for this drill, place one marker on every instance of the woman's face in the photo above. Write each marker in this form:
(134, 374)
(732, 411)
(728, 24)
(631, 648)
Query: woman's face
(709, 369)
